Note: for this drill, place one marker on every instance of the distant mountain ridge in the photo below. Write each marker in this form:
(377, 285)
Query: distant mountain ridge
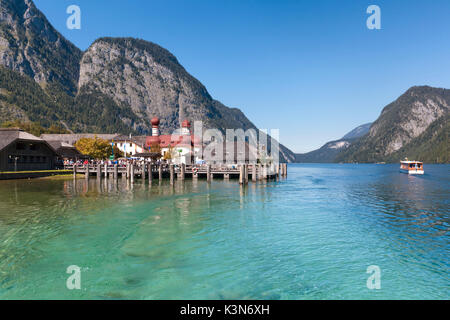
(358, 132)
(116, 85)
(329, 152)
(416, 125)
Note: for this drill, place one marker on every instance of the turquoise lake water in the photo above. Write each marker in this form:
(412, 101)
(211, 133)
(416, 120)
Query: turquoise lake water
(310, 236)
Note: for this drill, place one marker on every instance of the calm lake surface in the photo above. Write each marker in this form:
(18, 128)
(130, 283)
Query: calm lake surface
(310, 236)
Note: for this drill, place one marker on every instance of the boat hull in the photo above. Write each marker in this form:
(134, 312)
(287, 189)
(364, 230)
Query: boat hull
(412, 171)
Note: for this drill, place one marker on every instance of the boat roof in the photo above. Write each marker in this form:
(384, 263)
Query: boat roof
(409, 161)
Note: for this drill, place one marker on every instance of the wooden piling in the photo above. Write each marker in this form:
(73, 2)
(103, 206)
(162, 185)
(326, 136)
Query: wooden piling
(99, 171)
(116, 172)
(160, 172)
(260, 173)
(265, 171)
(123, 174)
(246, 173)
(143, 171)
(285, 169)
(208, 173)
(172, 172)
(183, 171)
(254, 178)
(277, 169)
(74, 171)
(106, 171)
(150, 173)
(132, 173)
(87, 172)
(241, 174)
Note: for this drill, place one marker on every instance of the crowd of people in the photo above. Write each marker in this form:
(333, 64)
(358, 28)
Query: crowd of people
(119, 162)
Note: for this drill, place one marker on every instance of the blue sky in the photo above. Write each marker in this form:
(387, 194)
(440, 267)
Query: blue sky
(310, 68)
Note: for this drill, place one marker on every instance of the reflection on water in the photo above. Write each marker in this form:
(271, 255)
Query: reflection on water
(310, 236)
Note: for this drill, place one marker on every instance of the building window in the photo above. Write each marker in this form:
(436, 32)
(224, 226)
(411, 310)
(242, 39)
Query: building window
(20, 146)
(33, 147)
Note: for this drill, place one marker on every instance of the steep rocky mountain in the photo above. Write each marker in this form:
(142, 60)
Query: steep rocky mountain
(148, 80)
(117, 85)
(415, 125)
(30, 45)
(329, 152)
(433, 146)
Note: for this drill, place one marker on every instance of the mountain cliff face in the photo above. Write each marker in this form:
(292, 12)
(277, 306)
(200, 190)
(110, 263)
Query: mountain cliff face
(149, 80)
(117, 85)
(31, 46)
(407, 127)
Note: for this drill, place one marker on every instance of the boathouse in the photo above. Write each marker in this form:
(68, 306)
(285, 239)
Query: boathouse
(66, 151)
(21, 151)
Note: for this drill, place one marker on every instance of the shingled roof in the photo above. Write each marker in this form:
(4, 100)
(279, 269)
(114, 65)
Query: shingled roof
(139, 140)
(73, 138)
(65, 150)
(9, 135)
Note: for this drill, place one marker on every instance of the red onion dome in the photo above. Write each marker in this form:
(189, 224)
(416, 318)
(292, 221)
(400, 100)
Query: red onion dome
(155, 121)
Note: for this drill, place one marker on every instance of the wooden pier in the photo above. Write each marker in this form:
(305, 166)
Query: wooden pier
(150, 172)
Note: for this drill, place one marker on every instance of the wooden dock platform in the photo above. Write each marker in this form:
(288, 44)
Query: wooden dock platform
(181, 172)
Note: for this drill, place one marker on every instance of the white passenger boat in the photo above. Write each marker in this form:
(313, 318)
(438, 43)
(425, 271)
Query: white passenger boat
(411, 167)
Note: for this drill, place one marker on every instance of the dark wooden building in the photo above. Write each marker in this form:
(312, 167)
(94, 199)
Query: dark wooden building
(66, 151)
(21, 151)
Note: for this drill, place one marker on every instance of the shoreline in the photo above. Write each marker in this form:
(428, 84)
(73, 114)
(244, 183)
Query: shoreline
(20, 175)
